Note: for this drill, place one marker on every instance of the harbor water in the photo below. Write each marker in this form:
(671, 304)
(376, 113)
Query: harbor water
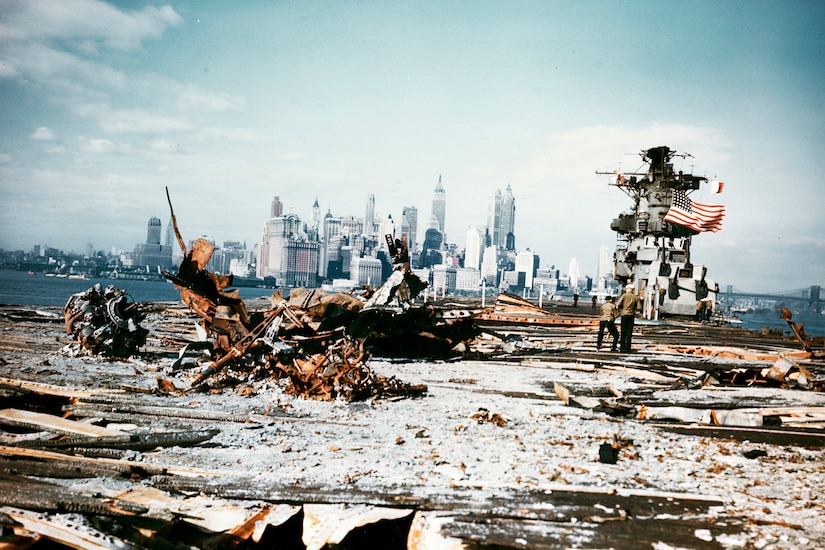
(20, 288)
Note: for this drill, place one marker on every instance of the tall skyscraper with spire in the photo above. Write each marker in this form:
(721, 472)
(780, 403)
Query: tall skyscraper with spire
(315, 222)
(439, 205)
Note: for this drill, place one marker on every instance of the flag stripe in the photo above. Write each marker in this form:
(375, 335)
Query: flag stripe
(695, 215)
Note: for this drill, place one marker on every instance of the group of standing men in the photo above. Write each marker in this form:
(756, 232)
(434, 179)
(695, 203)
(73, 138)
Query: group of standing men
(625, 308)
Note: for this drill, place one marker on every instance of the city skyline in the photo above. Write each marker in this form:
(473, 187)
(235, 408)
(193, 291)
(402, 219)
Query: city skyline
(106, 105)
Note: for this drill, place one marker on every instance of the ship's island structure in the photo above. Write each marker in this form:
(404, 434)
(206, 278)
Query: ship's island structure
(653, 253)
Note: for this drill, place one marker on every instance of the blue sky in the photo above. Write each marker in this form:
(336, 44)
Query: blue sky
(102, 105)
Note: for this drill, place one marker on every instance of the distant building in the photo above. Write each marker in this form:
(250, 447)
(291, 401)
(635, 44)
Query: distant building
(366, 271)
(386, 227)
(273, 253)
(301, 264)
(468, 279)
(431, 253)
(489, 266)
(501, 219)
(409, 226)
(525, 269)
(152, 254)
(277, 208)
(439, 208)
(369, 216)
(546, 280)
(573, 274)
(604, 267)
(153, 231)
(444, 278)
(473, 247)
(331, 242)
(315, 222)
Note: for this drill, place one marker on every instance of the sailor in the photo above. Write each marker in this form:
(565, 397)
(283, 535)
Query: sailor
(627, 305)
(606, 321)
(708, 309)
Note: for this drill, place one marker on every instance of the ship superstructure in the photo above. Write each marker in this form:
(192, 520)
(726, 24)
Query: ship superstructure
(653, 252)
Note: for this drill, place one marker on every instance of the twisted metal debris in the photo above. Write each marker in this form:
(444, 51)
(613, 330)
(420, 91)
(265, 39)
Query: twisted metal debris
(105, 322)
(303, 339)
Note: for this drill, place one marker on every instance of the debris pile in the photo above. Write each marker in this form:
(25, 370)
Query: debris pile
(317, 342)
(105, 322)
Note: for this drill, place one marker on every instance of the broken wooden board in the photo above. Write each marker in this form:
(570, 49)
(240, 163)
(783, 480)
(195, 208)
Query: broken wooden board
(51, 389)
(65, 531)
(119, 465)
(50, 423)
(776, 436)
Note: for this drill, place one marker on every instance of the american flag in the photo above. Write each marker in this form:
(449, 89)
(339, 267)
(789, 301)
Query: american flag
(695, 215)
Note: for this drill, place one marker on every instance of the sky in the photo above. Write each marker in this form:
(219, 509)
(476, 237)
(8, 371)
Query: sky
(104, 105)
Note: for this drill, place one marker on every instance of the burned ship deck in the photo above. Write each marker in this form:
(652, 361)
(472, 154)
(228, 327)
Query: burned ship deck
(539, 441)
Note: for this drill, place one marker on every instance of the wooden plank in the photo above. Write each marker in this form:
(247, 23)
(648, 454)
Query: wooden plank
(121, 465)
(601, 531)
(70, 533)
(51, 389)
(790, 437)
(793, 411)
(50, 423)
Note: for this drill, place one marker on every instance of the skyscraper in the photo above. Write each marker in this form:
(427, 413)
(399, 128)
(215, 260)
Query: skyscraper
(369, 216)
(439, 204)
(330, 245)
(501, 219)
(604, 267)
(525, 264)
(573, 274)
(409, 226)
(386, 227)
(152, 253)
(472, 249)
(277, 208)
(153, 231)
(508, 219)
(315, 223)
(278, 232)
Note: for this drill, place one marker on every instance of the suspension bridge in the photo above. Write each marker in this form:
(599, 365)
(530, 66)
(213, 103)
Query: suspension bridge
(807, 298)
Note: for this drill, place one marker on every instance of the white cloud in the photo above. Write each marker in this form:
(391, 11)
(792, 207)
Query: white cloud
(43, 134)
(85, 22)
(137, 121)
(194, 99)
(54, 43)
(62, 72)
(103, 146)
